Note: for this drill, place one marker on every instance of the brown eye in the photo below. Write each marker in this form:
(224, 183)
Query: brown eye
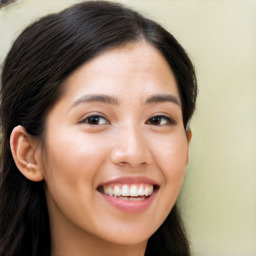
(95, 120)
(160, 120)
(156, 120)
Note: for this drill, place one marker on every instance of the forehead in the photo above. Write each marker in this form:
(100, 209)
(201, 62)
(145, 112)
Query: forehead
(135, 68)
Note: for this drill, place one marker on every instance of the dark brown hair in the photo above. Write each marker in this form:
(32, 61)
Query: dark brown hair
(39, 62)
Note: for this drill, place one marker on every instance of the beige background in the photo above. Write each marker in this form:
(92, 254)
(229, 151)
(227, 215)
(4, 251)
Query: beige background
(218, 199)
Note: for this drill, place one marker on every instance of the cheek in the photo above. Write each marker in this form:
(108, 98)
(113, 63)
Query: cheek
(72, 161)
(72, 166)
(172, 154)
(75, 151)
(172, 161)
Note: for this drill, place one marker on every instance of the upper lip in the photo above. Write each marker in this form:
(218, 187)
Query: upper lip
(130, 180)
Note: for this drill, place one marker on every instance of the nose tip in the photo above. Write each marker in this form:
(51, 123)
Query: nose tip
(131, 149)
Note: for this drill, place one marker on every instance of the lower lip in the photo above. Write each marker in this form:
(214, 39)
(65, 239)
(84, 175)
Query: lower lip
(130, 206)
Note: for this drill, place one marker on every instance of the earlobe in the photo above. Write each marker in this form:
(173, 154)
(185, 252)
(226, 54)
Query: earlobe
(24, 151)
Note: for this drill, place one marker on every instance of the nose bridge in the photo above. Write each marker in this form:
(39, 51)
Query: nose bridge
(131, 146)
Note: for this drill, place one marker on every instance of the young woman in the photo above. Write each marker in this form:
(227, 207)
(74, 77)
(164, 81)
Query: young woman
(95, 105)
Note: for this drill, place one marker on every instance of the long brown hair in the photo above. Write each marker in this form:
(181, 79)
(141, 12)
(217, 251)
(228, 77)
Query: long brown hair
(37, 65)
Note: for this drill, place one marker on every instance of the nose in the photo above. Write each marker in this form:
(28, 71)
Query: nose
(131, 148)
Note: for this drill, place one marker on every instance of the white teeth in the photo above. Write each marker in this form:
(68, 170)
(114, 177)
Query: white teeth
(146, 191)
(110, 191)
(133, 191)
(124, 198)
(125, 190)
(141, 190)
(131, 198)
(150, 189)
(117, 191)
(128, 190)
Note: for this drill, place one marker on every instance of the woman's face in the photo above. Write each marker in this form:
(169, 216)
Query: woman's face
(115, 147)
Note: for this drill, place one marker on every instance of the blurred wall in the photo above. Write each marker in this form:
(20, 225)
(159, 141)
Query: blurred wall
(218, 199)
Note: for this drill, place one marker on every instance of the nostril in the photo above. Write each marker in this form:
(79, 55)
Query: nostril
(132, 164)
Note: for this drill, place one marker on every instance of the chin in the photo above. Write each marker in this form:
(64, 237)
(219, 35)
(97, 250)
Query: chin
(129, 236)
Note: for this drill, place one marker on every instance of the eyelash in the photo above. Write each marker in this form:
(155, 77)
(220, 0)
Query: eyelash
(97, 120)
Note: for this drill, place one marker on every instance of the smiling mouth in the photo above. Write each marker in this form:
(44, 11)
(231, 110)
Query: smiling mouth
(128, 192)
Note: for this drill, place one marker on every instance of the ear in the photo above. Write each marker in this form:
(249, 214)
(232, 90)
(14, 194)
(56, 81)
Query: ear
(25, 151)
(189, 137)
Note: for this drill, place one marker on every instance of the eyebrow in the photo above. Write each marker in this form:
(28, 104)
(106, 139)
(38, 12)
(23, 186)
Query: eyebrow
(96, 98)
(106, 99)
(162, 98)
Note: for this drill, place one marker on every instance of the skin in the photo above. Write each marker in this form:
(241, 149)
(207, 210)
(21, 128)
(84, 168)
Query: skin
(124, 141)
